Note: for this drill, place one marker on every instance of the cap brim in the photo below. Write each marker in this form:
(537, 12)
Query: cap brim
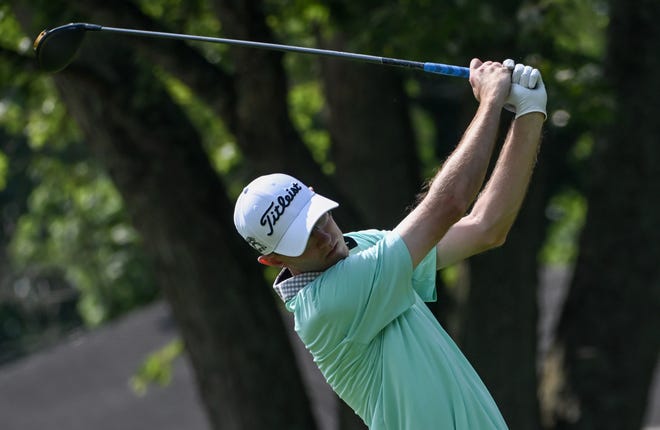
(294, 241)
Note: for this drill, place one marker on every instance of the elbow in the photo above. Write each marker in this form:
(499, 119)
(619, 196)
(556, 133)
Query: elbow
(493, 235)
(456, 206)
(497, 240)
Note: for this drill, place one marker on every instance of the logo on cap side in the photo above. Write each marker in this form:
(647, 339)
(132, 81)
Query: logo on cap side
(275, 211)
(260, 247)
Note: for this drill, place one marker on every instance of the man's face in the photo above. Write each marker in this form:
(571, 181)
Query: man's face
(325, 248)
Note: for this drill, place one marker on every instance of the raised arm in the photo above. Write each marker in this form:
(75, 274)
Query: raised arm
(455, 186)
(497, 206)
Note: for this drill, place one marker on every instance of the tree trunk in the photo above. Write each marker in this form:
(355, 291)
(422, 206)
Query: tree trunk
(373, 144)
(609, 328)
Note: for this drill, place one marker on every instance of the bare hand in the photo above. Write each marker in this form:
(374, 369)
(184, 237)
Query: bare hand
(491, 81)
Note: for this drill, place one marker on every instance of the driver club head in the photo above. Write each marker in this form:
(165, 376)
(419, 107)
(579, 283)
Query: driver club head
(56, 48)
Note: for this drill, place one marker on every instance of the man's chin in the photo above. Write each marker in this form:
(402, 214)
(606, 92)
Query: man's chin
(338, 254)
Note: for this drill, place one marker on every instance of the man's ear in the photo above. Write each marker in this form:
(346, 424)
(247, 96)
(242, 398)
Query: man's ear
(269, 260)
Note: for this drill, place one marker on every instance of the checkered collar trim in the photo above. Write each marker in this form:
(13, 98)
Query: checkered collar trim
(287, 286)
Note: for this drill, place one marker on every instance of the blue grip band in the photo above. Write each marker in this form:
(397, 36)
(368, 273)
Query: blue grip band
(445, 69)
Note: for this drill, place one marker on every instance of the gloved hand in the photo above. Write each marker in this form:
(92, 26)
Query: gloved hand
(527, 90)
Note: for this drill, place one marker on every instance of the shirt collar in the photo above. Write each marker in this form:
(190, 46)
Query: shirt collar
(287, 285)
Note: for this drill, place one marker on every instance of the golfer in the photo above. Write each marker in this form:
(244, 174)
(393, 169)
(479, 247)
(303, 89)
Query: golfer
(358, 299)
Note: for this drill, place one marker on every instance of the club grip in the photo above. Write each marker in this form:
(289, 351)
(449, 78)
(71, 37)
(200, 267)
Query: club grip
(445, 69)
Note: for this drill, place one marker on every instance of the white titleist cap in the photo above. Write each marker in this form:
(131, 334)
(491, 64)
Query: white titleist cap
(276, 213)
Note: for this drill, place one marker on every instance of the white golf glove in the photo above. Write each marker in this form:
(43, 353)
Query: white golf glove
(527, 90)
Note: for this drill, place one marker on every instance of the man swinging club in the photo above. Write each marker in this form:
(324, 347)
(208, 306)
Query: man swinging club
(358, 299)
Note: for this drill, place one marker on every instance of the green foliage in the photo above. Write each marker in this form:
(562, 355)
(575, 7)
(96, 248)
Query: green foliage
(75, 223)
(306, 103)
(192, 17)
(567, 212)
(450, 275)
(220, 144)
(298, 23)
(293, 20)
(157, 368)
(570, 34)
(4, 162)
(11, 36)
(425, 130)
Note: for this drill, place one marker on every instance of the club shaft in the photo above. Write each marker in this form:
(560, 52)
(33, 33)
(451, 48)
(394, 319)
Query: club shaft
(443, 69)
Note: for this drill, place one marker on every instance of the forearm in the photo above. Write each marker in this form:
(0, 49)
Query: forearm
(463, 173)
(455, 186)
(500, 201)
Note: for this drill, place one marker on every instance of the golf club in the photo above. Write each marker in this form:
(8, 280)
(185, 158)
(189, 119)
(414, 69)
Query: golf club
(57, 47)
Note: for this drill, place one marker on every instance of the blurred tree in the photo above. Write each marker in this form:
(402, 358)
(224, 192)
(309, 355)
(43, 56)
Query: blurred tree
(608, 336)
(57, 204)
(37, 301)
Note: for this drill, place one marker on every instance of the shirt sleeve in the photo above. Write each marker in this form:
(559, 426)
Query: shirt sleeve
(423, 280)
(355, 299)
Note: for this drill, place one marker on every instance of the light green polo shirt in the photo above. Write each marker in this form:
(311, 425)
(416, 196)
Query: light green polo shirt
(374, 339)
